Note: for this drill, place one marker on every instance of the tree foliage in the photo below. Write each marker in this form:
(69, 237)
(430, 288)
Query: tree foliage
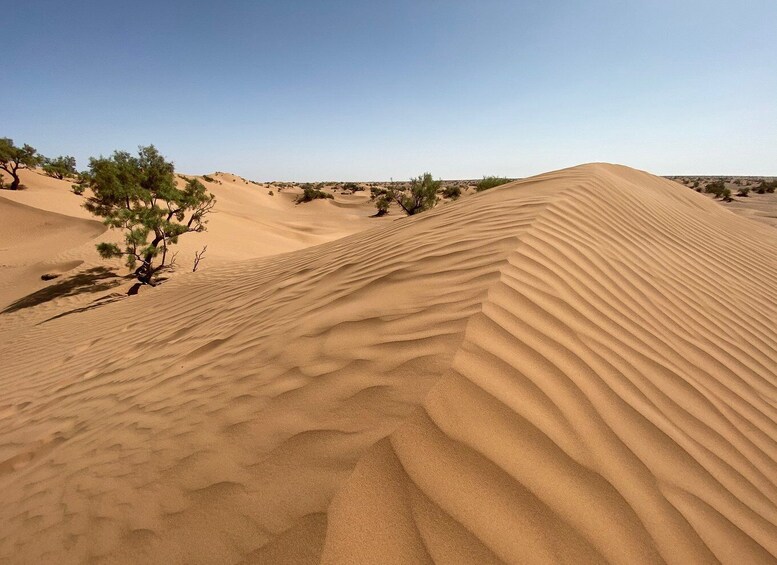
(60, 167)
(13, 158)
(138, 194)
(419, 195)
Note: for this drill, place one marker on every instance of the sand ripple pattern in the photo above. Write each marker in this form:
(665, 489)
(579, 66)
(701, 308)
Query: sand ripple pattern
(580, 367)
(613, 401)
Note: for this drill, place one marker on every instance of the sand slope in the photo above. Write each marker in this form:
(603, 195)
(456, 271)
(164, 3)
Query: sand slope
(33, 242)
(579, 367)
(47, 230)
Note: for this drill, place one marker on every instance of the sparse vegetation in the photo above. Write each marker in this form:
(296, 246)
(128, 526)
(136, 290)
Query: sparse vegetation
(716, 188)
(352, 187)
(743, 191)
(419, 195)
(208, 178)
(452, 191)
(60, 167)
(137, 194)
(491, 182)
(13, 158)
(310, 192)
(766, 186)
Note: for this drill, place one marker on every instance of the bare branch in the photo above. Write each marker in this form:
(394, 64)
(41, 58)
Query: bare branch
(198, 257)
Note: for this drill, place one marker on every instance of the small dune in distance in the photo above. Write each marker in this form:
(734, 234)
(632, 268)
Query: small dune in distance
(576, 367)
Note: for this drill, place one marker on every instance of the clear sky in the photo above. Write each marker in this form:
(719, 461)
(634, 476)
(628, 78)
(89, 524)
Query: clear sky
(362, 90)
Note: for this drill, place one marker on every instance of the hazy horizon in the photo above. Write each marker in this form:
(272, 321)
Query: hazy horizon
(347, 90)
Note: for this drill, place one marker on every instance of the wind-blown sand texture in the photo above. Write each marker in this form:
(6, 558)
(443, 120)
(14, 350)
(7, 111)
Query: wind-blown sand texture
(579, 367)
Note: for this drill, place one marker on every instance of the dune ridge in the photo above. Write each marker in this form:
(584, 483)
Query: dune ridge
(578, 367)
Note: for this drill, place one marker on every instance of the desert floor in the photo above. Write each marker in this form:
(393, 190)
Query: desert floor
(576, 367)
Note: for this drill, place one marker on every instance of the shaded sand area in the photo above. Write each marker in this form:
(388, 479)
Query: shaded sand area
(577, 367)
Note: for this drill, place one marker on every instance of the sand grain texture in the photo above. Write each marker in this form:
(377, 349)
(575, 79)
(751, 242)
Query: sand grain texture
(578, 367)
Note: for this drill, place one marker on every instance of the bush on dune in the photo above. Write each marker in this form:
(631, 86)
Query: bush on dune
(491, 182)
(420, 195)
(310, 192)
(452, 191)
(719, 190)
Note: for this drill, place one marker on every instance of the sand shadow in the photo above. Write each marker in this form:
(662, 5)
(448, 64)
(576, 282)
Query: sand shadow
(91, 280)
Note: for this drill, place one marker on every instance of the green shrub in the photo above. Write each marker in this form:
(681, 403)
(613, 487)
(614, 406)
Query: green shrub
(717, 187)
(743, 191)
(208, 179)
(452, 191)
(419, 195)
(310, 193)
(491, 182)
(353, 187)
(766, 186)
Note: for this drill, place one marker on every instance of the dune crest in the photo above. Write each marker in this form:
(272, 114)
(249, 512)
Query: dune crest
(578, 367)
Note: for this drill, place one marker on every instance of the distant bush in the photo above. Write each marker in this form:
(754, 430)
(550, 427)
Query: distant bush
(452, 191)
(271, 193)
(310, 193)
(491, 182)
(717, 187)
(208, 179)
(725, 195)
(766, 186)
(353, 187)
(743, 191)
(419, 195)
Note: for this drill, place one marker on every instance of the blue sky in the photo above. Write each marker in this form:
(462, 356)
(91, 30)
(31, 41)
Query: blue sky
(336, 89)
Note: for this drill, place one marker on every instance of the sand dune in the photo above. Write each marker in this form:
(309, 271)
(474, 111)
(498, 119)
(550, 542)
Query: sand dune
(578, 367)
(32, 242)
(248, 222)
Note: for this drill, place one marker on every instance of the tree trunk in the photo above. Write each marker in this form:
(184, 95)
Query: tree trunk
(15, 182)
(146, 271)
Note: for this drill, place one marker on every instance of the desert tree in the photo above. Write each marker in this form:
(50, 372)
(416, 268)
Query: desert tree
(13, 158)
(139, 195)
(60, 167)
(419, 195)
(380, 196)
